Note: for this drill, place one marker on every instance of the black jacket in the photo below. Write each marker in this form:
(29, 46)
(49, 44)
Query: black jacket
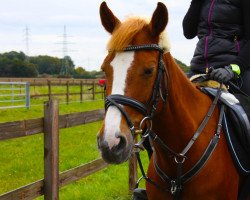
(223, 29)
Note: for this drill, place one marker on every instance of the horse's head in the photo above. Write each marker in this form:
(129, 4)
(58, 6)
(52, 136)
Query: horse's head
(131, 74)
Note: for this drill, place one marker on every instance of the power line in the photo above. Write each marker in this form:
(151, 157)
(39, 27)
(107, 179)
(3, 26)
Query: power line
(65, 42)
(27, 38)
(65, 52)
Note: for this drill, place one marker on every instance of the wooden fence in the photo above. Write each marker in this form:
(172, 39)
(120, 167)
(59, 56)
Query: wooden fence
(44, 80)
(92, 85)
(93, 88)
(50, 125)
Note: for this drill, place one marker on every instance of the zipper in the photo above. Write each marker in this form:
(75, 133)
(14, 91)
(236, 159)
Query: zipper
(206, 53)
(210, 33)
(237, 44)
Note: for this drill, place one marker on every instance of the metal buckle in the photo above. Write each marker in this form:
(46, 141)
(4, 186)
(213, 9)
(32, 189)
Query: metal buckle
(173, 187)
(180, 161)
(147, 118)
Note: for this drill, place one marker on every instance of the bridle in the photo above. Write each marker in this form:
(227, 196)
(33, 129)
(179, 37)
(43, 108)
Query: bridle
(160, 91)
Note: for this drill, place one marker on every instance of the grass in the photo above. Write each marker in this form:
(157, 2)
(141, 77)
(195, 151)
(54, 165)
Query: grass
(36, 111)
(22, 158)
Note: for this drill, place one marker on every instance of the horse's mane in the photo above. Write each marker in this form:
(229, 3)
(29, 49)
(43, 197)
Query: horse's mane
(124, 33)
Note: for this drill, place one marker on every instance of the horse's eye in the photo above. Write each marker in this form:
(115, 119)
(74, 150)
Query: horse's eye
(148, 71)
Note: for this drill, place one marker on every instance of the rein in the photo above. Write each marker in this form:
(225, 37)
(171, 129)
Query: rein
(148, 110)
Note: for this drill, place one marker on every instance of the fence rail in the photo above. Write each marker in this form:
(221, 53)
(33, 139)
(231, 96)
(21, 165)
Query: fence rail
(22, 128)
(50, 125)
(36, 189)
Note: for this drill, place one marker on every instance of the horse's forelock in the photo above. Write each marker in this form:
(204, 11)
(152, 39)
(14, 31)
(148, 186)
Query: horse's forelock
(125, 32)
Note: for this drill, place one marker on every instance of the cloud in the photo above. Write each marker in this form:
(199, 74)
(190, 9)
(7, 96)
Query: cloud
(46, 19)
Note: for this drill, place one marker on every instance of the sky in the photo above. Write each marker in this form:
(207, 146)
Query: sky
(86, 37)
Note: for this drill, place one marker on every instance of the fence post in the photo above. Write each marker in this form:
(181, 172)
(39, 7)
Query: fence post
(49, 89)
(93, 89)
(81, 91)
(34, 86)
(51, 146)
(132, 169)
(27, 95)
(67, 94)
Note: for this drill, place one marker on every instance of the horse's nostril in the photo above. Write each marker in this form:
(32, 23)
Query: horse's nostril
(122, 144)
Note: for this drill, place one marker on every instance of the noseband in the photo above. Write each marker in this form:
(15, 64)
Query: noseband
(158, 91)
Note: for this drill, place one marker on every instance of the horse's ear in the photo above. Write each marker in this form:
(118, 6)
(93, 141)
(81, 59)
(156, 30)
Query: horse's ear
(109, 20)
(159, 19)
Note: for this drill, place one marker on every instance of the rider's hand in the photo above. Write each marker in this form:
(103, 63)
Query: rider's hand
(222, 75)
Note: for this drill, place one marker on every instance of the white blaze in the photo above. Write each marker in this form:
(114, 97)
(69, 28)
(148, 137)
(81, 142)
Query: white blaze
(120, 64)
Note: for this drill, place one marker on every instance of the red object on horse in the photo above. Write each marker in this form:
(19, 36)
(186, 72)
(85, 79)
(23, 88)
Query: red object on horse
(102, 82)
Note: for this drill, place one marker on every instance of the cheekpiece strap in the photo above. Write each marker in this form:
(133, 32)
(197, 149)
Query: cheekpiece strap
(144, 47)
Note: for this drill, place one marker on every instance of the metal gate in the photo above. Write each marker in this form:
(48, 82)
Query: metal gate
(14, 94)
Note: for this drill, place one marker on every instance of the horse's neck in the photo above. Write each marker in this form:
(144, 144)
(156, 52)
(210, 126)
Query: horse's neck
(186, 108)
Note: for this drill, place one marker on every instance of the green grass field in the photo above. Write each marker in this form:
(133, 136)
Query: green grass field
(22, 158)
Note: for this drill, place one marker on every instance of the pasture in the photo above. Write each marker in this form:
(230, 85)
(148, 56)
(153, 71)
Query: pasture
(22, 158)
(67, 90)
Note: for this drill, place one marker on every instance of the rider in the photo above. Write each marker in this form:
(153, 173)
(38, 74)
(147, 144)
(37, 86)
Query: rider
(223, 30)
(223, 48)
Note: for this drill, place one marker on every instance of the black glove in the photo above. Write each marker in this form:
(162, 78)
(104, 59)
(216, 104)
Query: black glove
(222, 75)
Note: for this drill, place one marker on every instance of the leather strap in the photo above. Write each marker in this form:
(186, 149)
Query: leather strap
(124, 113)
(203, 123)
(149, 47)
(182, 179)
(127, 101)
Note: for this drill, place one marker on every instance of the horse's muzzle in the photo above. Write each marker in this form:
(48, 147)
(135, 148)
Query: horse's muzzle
(118, 153)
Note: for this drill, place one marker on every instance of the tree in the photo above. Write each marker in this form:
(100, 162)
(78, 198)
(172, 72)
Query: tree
(67, 66)
(14, 64)
(24, 69)
(5, 66)
(183, 66)
(80, 72)
(13, 55)
(53, 65)
(46, 64)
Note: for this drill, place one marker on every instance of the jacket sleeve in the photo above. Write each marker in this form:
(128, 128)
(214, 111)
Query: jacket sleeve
(243, 60)
(191, 19)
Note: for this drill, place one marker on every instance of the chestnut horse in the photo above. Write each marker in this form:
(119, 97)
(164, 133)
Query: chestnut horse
(143, 79)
